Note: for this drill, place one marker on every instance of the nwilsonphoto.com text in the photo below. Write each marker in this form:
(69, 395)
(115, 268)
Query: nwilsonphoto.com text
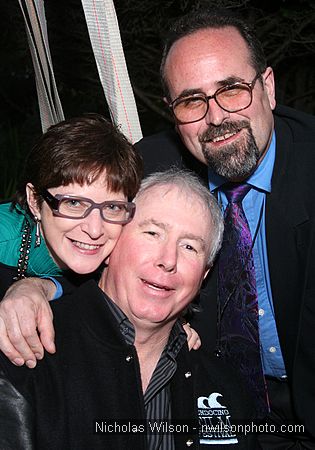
(184, 427)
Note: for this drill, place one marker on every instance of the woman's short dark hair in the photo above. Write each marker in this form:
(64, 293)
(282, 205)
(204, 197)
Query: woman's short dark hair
(79, 150)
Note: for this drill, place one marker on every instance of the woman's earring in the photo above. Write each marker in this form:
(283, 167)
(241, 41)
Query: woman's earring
(37, 232)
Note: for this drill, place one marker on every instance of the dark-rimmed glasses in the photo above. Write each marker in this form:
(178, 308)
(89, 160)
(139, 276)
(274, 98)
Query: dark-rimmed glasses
(72, 207)
(231, 98)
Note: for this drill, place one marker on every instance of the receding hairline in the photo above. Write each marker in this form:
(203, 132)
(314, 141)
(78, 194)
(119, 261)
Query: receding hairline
(205, 29)
(182, 189)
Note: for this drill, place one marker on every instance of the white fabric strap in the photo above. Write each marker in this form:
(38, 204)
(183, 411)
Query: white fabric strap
(105, 38)
(48, 99)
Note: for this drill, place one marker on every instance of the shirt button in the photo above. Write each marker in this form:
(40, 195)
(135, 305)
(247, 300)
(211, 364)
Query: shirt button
(189, 443)
(124, 330)
(187, 374)
(129, 358)
(272, 349)
(261, 312)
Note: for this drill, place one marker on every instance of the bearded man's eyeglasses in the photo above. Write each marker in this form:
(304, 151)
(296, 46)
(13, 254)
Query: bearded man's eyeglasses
(231, 98)
(71, 207)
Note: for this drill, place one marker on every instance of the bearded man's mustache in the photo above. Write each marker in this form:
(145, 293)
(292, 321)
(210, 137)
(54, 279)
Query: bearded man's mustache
(214, 132)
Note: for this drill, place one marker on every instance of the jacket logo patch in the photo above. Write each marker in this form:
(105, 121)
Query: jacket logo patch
(214, 421)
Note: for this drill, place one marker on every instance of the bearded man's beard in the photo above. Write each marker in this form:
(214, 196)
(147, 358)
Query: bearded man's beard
(235, 161)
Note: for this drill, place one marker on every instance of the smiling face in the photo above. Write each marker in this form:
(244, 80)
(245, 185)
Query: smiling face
(159, 262)
(232, 144)
(81, 244)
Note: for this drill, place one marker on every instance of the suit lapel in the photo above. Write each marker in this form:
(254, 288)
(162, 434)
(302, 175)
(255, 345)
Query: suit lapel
(284, 213)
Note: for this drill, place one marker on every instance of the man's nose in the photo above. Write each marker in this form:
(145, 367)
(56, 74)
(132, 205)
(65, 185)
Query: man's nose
(215, 115)
(167, 259)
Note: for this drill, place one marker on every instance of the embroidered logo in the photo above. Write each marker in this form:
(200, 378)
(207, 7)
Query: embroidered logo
(214, 421)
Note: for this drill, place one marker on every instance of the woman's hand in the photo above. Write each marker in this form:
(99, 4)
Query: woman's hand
(193, 339)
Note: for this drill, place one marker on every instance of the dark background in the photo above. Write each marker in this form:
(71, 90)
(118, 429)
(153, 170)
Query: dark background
(287, 30)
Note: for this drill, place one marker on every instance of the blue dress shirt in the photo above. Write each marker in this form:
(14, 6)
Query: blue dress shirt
(253, 203)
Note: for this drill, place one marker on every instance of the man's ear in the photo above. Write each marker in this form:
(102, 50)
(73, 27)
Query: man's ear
(269, 83)
(31, 200)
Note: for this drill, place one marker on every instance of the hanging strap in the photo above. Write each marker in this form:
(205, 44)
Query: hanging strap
(36, 28)
(105, 38)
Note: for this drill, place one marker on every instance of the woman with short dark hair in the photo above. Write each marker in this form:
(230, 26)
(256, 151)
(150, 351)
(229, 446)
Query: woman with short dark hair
(74, 198)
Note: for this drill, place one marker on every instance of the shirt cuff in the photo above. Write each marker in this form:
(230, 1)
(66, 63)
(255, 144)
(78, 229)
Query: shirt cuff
(59, 290)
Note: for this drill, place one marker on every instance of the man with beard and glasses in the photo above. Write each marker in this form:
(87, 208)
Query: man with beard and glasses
(228, 130)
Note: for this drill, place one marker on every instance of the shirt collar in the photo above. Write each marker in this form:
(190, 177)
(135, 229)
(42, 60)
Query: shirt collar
(260, 179)
(125, 326)
(176, 339)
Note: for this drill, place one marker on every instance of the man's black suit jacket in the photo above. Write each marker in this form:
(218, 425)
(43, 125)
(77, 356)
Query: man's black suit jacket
(94, 378)
(290, 233)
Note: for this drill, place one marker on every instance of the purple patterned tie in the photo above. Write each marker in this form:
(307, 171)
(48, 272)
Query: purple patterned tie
(238, 315)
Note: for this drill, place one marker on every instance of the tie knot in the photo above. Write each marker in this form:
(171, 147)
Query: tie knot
(235, 192)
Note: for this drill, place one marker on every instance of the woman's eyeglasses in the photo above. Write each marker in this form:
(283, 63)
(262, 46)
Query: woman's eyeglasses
(72, 207)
